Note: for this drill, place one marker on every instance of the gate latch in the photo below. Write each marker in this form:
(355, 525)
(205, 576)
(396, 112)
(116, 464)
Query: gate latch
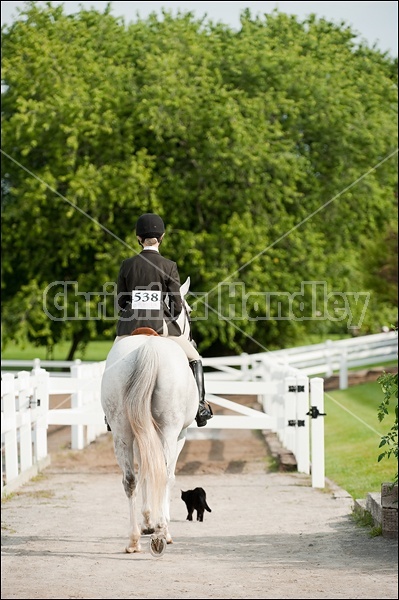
(314, 412)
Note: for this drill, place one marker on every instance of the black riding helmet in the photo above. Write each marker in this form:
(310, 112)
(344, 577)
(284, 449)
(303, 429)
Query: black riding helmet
(150, 225)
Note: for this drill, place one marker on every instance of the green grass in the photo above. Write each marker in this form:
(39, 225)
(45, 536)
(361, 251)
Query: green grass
(352, 434)
(363, 518)
(96, 350)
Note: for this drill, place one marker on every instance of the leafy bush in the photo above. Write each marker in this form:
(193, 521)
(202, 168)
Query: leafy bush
(389, 385)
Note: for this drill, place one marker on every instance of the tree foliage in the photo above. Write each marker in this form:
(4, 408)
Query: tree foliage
(269, 151)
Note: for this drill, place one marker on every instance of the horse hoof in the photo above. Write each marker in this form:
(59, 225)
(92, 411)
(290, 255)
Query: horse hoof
(132, 549)
(157, 546)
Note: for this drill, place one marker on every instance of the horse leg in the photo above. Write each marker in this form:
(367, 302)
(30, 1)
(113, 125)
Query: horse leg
(124, 455)
(159, 531)
(147, 526)
(160, 527)
(166, 509)
(170, 485)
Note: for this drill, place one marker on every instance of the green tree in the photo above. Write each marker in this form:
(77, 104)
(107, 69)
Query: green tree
(83, 181)
(269, 152)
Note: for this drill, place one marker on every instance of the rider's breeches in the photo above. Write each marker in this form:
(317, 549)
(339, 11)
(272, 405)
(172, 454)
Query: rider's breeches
(188, 348)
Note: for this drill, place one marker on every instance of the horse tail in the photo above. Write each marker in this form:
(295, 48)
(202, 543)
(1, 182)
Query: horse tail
(138, 396)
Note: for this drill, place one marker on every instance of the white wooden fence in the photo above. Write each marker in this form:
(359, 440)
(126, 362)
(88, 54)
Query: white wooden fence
(23, 426)
(340, 356)
(26, 415)
(283, 393)
(318, 359)
(292, 404)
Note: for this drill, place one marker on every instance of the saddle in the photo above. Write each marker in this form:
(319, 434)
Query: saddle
(144, 331)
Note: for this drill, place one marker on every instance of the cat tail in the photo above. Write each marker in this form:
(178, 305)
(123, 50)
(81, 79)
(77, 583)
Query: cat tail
(206, 506)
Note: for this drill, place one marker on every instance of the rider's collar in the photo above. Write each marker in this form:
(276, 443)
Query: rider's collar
(150, 248)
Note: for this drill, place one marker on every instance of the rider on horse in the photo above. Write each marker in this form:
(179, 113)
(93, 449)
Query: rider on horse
(149, 296)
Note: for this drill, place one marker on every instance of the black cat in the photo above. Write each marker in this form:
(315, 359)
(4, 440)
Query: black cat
(195, 500)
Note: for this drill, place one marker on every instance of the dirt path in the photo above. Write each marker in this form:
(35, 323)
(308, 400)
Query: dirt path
(270, 535)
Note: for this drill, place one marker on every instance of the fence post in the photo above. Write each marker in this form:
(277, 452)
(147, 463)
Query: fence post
(343, 371)
(302, 450)
(77, 431)
(317, 410)
(289, 431)
(245, 367)
(270, 385)
(41, 404)
(329, 358)
(25, 430)
(279, 401)
(90, 398)
(9, 425)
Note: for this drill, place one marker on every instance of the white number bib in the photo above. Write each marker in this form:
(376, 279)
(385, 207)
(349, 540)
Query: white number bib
(150, 300)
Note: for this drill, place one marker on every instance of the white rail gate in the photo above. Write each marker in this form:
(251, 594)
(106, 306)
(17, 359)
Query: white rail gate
(282, 391)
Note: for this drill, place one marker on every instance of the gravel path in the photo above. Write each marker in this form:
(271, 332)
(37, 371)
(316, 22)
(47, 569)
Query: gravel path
(270, 535)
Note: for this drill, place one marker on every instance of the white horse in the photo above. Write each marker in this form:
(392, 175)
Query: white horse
(149, 397)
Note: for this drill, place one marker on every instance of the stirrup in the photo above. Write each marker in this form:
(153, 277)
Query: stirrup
(204, 413)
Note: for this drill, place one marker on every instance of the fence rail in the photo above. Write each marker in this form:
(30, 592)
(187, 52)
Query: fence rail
(317, 359)
(292, 403)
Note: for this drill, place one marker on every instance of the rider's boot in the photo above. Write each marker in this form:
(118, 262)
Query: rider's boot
(204, 412)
